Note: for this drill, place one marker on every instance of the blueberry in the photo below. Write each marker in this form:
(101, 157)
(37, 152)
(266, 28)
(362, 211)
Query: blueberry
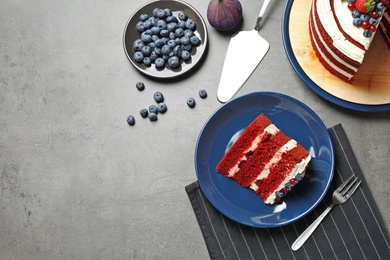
(190, 24)
(195, 40)
(185, 55)
(357, 22)
(146, 38)
(155, 30)
(171, 19)
(153, 21)
(182, 16)
(173, 62)
(155, 11)
(185, 40)
(373, 21)
(161, 24)
(140, 26)
(179, 32)
(130, 120)
(191, 102)
(172, 44)
(167, 12)
(138, 44)
(177, 51)
(364, 17)
(147, 61)
(152, 116)
(144, 112)
(160, 62)
(181, 24)
(158, 97)
(138, 56)
(299, 177)
(165, 50)
(162, 108)
(367, 33)
(153, 109)
(140, 85)
(187, 47)
(202, 93)
(161, 14)
(148, 24)
(172, 26)
(279, 194)
(164, 33)
(143, 17)
(356, 14)
(146, 50)
(288, 186)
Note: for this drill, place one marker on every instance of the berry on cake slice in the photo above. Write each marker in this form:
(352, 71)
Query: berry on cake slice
(365, 6)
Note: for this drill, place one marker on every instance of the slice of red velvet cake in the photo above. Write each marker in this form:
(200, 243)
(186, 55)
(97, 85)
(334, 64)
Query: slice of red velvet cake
(266, 160)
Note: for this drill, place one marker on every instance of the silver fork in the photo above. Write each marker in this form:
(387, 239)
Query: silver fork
(340, 195)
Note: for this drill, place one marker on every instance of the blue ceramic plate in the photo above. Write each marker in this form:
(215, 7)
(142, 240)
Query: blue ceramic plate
(308, 81)
(297, 121)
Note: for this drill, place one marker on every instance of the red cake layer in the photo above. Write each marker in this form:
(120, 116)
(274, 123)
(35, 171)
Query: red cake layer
(263, 151)
(242, 143)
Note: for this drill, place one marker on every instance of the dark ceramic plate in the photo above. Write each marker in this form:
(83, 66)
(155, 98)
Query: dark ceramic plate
(130, 34)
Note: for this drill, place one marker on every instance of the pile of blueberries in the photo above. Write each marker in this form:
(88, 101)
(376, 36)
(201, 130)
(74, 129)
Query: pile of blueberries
(165, 39)
(161, 107)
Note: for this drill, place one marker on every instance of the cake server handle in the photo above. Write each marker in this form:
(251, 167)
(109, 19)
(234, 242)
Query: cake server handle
(261, 15)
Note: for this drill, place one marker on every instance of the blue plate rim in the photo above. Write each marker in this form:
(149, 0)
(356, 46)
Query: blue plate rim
(302, 105)
(306, 79)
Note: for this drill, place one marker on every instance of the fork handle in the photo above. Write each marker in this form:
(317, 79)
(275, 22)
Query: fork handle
(310, 229)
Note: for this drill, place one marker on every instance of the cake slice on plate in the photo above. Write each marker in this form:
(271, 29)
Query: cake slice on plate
(266, 160)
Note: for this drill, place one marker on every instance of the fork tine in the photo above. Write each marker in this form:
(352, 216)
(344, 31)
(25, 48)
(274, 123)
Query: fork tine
(342, 186)
(353, 189)
(348, 187)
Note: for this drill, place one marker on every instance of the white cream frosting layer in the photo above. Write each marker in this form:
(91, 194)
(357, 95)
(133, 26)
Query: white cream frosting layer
(327, 19)
(271, 129)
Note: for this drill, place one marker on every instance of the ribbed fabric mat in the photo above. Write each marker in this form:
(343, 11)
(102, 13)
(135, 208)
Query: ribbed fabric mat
(354, 230)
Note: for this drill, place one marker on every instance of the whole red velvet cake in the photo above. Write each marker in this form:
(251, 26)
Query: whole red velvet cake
(266, 160)
(341, 32)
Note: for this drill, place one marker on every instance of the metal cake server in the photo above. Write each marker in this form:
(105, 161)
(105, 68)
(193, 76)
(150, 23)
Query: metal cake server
(245, 52)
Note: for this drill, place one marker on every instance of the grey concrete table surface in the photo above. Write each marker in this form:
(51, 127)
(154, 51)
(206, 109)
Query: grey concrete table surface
(77, 182)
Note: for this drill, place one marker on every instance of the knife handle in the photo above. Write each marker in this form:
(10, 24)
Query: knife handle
(261, 14)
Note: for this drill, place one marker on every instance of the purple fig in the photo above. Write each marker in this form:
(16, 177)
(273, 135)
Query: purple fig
(224, 15)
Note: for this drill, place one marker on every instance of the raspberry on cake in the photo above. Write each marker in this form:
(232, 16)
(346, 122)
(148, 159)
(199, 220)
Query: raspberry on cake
(266, 160)
(341, 32)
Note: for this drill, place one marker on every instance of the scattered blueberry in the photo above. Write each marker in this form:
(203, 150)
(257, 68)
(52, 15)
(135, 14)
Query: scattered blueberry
(130, 120)
(158, 97)
(153, 109)
(202, 93)
(140, 85)
(152, 116)
(144, 113)
(191, 102)
(162, 108)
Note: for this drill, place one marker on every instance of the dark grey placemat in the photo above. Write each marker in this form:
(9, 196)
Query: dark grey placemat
(354, 230)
